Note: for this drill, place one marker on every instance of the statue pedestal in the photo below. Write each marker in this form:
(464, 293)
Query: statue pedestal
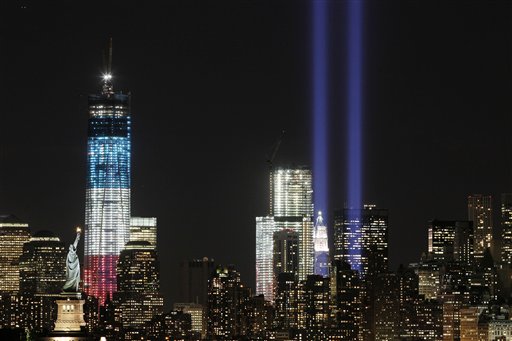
(70, 313)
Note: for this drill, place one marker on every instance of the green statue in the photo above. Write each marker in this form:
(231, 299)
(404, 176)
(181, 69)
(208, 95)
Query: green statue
(72, 267)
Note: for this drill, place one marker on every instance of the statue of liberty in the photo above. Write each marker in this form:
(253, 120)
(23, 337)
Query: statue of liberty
(72, 267)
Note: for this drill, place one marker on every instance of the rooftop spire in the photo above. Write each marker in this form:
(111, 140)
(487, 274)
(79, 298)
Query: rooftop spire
(108, 89)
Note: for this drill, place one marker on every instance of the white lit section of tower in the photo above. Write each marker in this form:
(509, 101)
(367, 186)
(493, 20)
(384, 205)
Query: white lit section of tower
(293, 209)
(265, 228)
(107, 208)
(321, 245)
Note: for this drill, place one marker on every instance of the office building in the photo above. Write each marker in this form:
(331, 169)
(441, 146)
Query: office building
(197, 315)
(321, 245)
(43, 264)
(107, 206)
(286, 255)
(13, 234)
(362, 244)
(347, 289)
(292, 198)
(451, 241)
(506, 228)
(193, 277)
(480, 213)
(265, 229)
(137, 299)
(317, 306)
(227, 297)
(143, 229)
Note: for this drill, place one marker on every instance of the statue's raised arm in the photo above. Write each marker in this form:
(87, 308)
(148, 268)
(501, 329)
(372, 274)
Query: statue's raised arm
(72, 267)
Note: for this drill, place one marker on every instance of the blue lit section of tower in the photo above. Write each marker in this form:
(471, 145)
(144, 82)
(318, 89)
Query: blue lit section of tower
(321, 245)
(354, 108)
(107, 213)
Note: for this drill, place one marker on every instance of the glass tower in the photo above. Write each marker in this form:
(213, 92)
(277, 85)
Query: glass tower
(107, 207)
(292, 199)
(265, 228)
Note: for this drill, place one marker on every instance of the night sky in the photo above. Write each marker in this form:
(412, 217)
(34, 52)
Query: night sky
(213, 83)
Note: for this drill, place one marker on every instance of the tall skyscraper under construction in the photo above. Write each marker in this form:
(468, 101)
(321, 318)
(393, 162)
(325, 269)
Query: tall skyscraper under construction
(107, 207)
(291, 198)
(293, 209)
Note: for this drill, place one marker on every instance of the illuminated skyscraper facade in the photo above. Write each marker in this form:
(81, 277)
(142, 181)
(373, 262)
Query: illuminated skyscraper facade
(480, 212)
(368, 253)
(293, 209)
(506, 228)
(138, 297)
(321, 245)
(265, 228)
(43, 264)
(286, 252)
(143, 229)
(13, 234)
(107, 207)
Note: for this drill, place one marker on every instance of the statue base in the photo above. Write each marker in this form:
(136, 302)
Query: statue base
(70, 312)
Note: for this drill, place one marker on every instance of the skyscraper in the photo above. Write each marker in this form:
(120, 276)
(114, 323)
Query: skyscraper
(369, 253)
(143, 229)
(138, 297)
(506, 227)
(480, 212)
(107, 207)
(286, 252)
(293, 209)
(13, 234)
(226, 298)
(321, 245)
(194, 276)
(451, 240)
(43, 264)
(265, 228)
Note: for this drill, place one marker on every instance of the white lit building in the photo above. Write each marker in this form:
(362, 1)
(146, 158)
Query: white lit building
(292, 198)
(143, 229)
(265, 228)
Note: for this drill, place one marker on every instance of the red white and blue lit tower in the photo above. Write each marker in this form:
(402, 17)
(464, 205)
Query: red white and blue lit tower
(107, 207)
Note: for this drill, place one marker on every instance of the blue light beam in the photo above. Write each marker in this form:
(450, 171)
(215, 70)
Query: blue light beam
(354, 108)
(320, 85)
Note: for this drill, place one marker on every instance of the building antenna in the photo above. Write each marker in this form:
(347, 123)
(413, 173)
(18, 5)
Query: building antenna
(109, 65)
(107, 75)
(270, 162)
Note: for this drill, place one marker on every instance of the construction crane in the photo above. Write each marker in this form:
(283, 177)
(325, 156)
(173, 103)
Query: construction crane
(270, 161)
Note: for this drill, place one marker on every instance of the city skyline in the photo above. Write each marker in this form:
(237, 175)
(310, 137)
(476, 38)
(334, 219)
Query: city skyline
(437, 197)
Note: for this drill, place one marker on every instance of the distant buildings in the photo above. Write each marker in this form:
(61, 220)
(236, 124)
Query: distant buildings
(362, 244)
(286, 253)
(265, 229)
(227, 297)
(480, 213)
(42, 264)
(193, 278)
(138, 298)
(13, 234)
(143, 229)
(506, 228)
